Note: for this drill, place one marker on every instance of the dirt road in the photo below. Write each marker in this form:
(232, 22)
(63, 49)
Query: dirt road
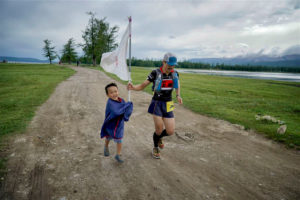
(61, 156)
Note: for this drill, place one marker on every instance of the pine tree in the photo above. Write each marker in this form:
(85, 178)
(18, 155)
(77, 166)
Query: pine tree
(68, 53)
(98, 37)
(49, 51)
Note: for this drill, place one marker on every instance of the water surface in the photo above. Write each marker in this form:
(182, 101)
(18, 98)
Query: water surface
(292, 77)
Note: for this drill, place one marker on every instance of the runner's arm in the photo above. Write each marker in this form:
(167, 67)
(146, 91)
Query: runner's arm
(178, 97)
(138, 87)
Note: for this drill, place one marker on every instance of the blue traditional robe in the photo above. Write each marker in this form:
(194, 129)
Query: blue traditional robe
(115, 114)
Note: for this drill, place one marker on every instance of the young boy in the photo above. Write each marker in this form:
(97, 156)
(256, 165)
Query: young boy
(117, 111)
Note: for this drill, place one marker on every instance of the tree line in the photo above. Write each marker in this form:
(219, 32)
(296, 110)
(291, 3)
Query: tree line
(221, 66)
(98, 38)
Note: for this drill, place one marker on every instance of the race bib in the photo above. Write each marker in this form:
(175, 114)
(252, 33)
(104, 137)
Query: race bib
(170, 106)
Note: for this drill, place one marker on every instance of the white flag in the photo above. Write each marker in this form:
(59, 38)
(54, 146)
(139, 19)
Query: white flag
(115, 62)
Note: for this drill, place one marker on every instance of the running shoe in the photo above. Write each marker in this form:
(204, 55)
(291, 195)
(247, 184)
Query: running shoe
(119, 159)
(106, 151)
(160, 143)
(155, 153)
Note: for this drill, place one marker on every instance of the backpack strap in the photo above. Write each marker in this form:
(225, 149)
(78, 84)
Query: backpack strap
(158, 81)
(175, 79)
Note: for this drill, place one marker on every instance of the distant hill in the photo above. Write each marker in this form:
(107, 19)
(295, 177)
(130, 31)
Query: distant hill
(26, 60)
(264, 60)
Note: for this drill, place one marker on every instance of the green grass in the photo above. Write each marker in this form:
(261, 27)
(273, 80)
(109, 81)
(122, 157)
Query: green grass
(24, 87)
(238, 100)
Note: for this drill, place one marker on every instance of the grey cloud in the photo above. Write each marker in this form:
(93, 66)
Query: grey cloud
(295, 49)
(295, 3)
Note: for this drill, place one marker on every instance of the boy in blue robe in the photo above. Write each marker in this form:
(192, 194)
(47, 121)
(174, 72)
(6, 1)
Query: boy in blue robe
(117, 111)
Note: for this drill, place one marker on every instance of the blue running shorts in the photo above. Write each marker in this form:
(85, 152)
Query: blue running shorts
(159, 108)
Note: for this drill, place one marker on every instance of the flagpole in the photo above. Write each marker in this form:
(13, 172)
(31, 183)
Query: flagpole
(129, 18)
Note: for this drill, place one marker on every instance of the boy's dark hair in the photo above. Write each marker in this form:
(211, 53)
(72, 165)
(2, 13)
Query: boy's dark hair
(110, 85)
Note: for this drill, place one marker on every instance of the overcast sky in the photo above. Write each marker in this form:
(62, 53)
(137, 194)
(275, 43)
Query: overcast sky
(190, 29)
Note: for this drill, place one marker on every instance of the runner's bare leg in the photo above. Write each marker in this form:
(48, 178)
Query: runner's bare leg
(159, 124)
(170, 125)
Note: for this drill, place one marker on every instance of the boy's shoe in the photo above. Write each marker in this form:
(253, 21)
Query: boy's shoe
(106, 151)
(161, 144)
(119, 159)
(155, 153)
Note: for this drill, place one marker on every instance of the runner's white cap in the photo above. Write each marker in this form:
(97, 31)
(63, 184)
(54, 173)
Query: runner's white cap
(170, 59)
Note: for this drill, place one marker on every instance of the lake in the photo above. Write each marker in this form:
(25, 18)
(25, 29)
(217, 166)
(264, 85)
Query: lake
(292, 77)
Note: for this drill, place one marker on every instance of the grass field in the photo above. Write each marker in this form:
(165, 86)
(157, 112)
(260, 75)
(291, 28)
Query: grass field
(238, 100)
(24, 87)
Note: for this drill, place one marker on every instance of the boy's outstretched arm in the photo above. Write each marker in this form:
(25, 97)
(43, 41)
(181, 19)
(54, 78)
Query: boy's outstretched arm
(138, 87)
